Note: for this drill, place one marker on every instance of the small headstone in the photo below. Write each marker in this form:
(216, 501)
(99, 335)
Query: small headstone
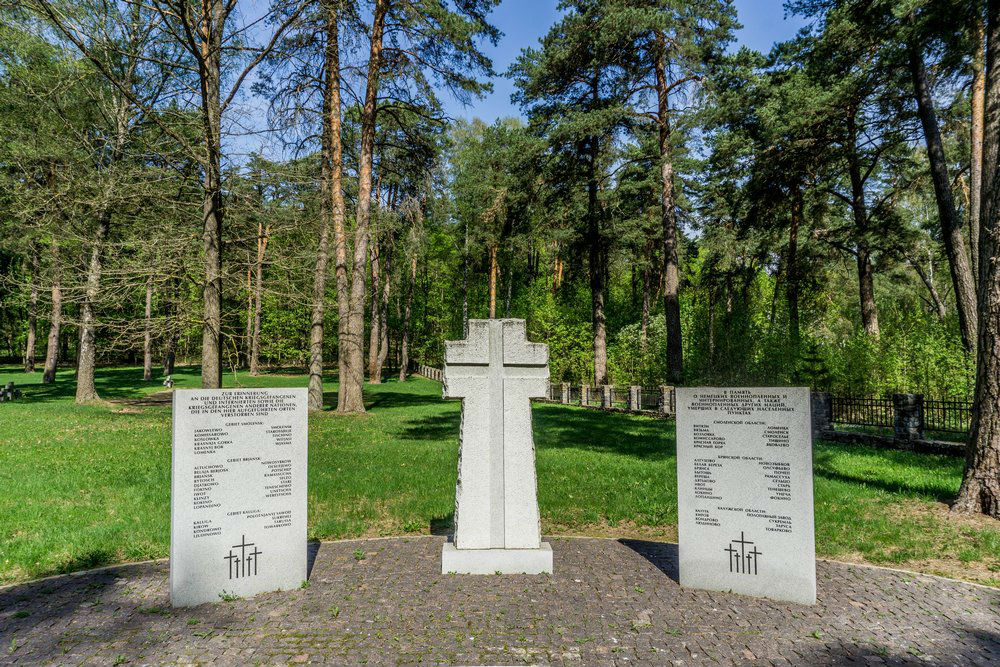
(745, 491)
(238, 493)
(495, 370)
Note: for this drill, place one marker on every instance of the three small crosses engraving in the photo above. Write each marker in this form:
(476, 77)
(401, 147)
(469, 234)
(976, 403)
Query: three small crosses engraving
(240, 563)
(742, 560)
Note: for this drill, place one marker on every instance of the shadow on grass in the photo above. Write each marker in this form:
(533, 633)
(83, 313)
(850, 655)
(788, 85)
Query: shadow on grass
(557, 426)
(394, 400)
(88, 560)
(284, 370)
(824, 466)
(434, 427)
(330, 399)
(662, 555)
(894, 457)
(443, 525)
(111, 383)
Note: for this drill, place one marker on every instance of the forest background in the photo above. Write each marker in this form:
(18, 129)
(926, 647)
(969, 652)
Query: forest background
(669, 207)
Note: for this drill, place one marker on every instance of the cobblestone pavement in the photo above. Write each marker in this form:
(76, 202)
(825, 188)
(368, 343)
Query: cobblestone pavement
(609, 602)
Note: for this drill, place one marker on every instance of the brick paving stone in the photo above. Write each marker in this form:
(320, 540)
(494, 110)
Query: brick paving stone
(609, 602)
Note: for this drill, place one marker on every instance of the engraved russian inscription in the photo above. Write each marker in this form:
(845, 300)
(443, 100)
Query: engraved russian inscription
(744, 468)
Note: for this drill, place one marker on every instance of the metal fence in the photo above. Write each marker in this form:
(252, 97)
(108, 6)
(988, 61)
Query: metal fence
(947, 416)
(862, 411)
(620, 397)
(649, 398)
(909, 414)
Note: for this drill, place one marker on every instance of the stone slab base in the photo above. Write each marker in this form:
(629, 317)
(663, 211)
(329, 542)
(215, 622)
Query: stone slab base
(494, 561)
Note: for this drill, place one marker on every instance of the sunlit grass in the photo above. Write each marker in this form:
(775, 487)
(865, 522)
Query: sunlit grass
(82, 486)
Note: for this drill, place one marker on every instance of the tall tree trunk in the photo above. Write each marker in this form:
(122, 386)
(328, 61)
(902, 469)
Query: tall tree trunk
(976, 134)
(55, 320)
(510, 283)
(383, 348)
(779, 274)
(86, 390)
(65, 339)
(375, 328)
(633, 282)
(928, 280)
(316, 326)
(170, 354)
(711, 326)
(647, 290)
(249, 334)
(352, 383)
(866, 291)
(951, 225)
(596, 258)
(792, 269)
(494, 270)
(465, 283)
(980, 490)
(332, 209)
(29, 347)
(263, 235)
(147, 338)
(211, 27)
(671, 298)
(866, 272)
(404, 354)
(596, 261)
(557, 270)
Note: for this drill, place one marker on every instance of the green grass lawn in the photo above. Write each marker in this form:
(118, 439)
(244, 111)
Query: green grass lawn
(82, 486)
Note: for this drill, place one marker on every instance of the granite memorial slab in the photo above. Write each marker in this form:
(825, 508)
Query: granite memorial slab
(745, 491)
(496, 371)
(238, 493)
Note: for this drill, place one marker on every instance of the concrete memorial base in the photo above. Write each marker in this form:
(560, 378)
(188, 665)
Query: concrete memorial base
(496, 561)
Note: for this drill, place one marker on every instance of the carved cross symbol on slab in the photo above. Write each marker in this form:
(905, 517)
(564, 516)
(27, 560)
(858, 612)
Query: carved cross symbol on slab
(496, 371)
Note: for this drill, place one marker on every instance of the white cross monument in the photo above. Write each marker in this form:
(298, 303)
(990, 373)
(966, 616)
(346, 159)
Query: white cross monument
(495, 370)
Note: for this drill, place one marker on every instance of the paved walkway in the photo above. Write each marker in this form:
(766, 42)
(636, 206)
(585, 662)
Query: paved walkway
(609, 602)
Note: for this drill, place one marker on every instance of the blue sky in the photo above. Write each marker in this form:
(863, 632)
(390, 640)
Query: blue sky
(523, 22)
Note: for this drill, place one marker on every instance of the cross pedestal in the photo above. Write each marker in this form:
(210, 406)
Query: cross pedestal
(495, 371)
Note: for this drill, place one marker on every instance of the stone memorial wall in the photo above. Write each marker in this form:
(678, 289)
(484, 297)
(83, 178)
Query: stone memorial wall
(238, 493)
(745, 491)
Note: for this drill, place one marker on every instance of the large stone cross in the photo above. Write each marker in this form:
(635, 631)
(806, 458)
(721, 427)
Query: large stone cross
(496, 371)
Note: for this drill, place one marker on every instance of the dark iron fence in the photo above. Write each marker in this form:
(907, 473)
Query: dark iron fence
(649, 398)
(620, 398)
(862, 411)
(909, 416)
(947, 416)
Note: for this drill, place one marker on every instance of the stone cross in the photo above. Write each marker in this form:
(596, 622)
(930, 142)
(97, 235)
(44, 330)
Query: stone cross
(495, 370)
